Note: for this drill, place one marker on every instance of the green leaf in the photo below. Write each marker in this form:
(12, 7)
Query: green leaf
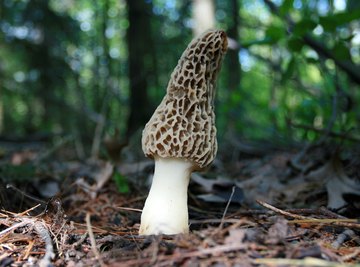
(311, 60)
(331, 22)
(285, 7)
(275, 33)
(290, 70)
(295, 44)
(341, 51)
(121, 183)
(265, 41)
(304, 26)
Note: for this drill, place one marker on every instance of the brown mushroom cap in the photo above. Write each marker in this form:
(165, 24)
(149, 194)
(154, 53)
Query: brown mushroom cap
(183, 125)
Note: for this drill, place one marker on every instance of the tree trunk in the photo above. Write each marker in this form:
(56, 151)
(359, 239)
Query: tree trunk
(104, 83)
(203, 15)
(138, 41)
(232, 57)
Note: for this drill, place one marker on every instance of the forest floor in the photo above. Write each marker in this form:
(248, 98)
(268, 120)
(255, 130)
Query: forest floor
(244, 211)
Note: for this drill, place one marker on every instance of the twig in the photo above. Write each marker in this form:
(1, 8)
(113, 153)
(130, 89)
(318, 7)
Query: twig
(227, 207)
(92, 239)
(207, 221)
(349, 223)
(28, 250)
(10, 186)
(331, 214)
(327, 221)
(61, 230)
(321, 211)
(129, 209)
(41, 229)
(43, 232)
(98, 229)
(282, 212)
(28, 210)
(15, 226)
(314, 262)
(168, 260)
(350, 256)
(304, 219)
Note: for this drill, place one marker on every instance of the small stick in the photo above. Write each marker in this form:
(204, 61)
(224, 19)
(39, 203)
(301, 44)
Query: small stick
(227, 207)
(92, 239)
(309, 219)
(129, 209)
(28, 250)
(12, 214)
(28, 210)
(10, 186)
(321, 211)
(328, 221)
(329, 213)
(302, 262)
(18, 225)
(207, 221)
(282, 212)
(350, 256)
(43, 232)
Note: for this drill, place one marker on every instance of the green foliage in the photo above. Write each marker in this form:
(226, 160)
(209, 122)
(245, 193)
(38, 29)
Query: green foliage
(304, 79)
(331, 22)
(304, 26)
(274, 33)
(64, 66)
(121, 183)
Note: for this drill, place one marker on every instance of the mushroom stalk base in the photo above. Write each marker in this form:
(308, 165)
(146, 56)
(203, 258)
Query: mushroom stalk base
(165, 210)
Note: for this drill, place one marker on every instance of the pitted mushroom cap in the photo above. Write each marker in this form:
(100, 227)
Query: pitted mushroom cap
(183, 125)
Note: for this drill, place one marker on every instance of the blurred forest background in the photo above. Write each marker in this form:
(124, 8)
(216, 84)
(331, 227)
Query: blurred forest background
(96, 70)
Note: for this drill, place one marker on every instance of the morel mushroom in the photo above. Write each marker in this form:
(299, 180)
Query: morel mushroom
(181, 134)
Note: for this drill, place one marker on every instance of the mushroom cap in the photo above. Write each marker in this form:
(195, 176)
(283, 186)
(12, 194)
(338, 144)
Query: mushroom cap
(183, 125)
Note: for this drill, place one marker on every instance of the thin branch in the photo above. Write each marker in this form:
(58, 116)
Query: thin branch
(43, 232)
(15, 226)
(129, 209)
(347, 66)
(227, 207)
(282, 212)
(308, 261)
(310, 220)
(10, 186)
(92, 239)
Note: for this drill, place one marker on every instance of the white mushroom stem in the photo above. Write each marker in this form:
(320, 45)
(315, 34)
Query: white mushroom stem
(165, 210)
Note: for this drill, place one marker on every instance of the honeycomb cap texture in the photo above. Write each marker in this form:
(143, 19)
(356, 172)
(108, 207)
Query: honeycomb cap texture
(183, 125)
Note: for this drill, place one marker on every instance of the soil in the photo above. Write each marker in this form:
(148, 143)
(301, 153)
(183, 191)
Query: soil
(245, 210)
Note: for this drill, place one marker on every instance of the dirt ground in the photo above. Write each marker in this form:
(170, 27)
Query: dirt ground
(246, 210)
